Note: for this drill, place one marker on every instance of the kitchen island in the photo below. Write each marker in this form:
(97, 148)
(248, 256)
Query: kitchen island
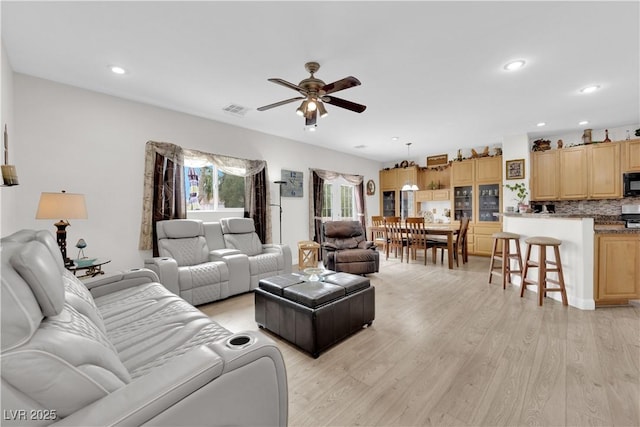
(600, 259)
(576, 251)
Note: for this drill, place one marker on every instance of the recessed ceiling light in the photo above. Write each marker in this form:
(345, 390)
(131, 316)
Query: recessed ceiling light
(541, 124)
(394, 138)
(584, 122)
(589, 89)
(117, 70)
(514, 65)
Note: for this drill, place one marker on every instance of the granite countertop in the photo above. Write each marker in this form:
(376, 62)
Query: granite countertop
(611, 224)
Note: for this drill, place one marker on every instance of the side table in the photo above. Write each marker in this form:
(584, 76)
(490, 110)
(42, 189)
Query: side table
(308, 254)
(89, 267)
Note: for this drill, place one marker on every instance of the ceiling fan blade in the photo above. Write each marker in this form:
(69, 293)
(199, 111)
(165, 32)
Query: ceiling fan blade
(277, 104)
(343, 103)
(310, 120)
(345, 83)
(289, 85)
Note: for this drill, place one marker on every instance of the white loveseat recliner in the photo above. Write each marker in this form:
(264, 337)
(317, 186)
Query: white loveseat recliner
(207, 261)
(122, 349)
(265, 260)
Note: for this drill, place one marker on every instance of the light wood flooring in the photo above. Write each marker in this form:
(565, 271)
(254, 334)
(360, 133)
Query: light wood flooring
(447, 348)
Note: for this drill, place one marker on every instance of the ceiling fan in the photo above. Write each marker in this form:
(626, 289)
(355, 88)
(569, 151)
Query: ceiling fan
(314, 93)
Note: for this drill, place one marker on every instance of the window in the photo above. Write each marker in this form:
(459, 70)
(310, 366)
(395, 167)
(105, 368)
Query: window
(346, 201)
(327, 196)
(338, 200)
(210, 189)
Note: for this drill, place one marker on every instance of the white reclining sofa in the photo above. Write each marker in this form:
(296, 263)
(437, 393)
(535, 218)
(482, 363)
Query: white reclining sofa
(208, 261)
(121, 349)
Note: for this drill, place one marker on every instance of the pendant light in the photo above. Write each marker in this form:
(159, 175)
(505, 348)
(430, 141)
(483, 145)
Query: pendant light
(408, 186)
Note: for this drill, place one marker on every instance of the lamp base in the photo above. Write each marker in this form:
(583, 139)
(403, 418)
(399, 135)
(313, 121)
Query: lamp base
(61, 239)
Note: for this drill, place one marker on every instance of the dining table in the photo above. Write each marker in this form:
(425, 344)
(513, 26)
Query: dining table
(438, 229)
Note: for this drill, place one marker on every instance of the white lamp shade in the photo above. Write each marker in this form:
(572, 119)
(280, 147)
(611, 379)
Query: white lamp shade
(406, 187)
(61, 206)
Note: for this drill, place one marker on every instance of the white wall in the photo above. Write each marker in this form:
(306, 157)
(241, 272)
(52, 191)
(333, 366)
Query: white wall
(7, 194)
(515, 147)
(86, 142)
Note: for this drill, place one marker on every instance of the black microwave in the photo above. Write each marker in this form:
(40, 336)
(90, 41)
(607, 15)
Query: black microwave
(631, 184)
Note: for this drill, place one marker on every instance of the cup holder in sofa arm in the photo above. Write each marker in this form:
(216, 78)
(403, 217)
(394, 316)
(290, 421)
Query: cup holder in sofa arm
(238, 342)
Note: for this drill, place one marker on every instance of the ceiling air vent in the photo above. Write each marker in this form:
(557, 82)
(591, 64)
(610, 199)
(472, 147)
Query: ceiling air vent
(236, 110)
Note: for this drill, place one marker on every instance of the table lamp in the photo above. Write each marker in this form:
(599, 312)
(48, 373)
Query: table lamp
(62, 205)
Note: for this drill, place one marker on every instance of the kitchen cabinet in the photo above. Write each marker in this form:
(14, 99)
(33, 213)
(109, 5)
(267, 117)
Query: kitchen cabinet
(631, 156)
(605, 178)
(483, 238)
(617, 268)
(577, 173)
(432, 195)
(545, 175)
(573, 173)
(463, 202)
(463, 173)
(408, 175)
(489, 169)
(388, 179)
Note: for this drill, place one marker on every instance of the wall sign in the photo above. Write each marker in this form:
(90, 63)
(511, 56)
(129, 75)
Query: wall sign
(293, 184)
(441, 159)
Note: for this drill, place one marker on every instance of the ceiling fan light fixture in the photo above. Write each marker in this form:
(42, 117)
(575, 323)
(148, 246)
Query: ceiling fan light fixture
(302, 109)
(312, 104)
(321, 110)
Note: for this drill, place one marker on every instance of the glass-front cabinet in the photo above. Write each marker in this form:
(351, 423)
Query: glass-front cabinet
(488, 202)
(389, 203)
(407, 204)
(463, 202)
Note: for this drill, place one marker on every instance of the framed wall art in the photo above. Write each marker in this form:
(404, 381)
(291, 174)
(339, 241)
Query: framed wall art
(371, 188)
(515, 169)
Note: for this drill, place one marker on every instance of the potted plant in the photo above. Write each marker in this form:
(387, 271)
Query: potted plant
(521, 193)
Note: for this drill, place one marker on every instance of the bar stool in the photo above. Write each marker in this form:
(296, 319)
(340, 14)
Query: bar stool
(543, 280)
(505, 256)
(308, 254)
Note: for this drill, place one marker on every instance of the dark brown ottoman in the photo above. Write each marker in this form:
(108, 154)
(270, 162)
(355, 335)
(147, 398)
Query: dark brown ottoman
(314, 315)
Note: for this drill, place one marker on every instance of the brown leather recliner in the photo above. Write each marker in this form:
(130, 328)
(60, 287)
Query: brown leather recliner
(345, 248)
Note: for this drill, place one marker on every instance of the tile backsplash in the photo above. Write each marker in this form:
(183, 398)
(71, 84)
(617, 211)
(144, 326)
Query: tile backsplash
(591, 207)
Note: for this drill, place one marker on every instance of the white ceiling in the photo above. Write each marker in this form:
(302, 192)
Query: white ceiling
(431, 72)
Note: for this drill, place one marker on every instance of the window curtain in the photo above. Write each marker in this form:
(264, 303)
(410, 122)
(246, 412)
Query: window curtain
(163, 194)
(316, 203)
(319, 177)
(256, 188)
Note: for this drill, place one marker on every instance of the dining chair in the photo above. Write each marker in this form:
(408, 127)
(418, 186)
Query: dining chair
(459, 244)
(379, 237)
(416, 238)
(396, 238)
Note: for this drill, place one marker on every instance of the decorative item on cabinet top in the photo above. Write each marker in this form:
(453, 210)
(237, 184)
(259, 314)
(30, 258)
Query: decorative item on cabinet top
(440, 159)
(541, 145)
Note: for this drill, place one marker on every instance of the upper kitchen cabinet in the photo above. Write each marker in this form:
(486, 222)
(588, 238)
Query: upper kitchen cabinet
(463, 173)
(631, 156)
(388, 179)
(573, 173)
(604, 171)
(545, 175)
(577, 173)
(408, 175)
(489, 169)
